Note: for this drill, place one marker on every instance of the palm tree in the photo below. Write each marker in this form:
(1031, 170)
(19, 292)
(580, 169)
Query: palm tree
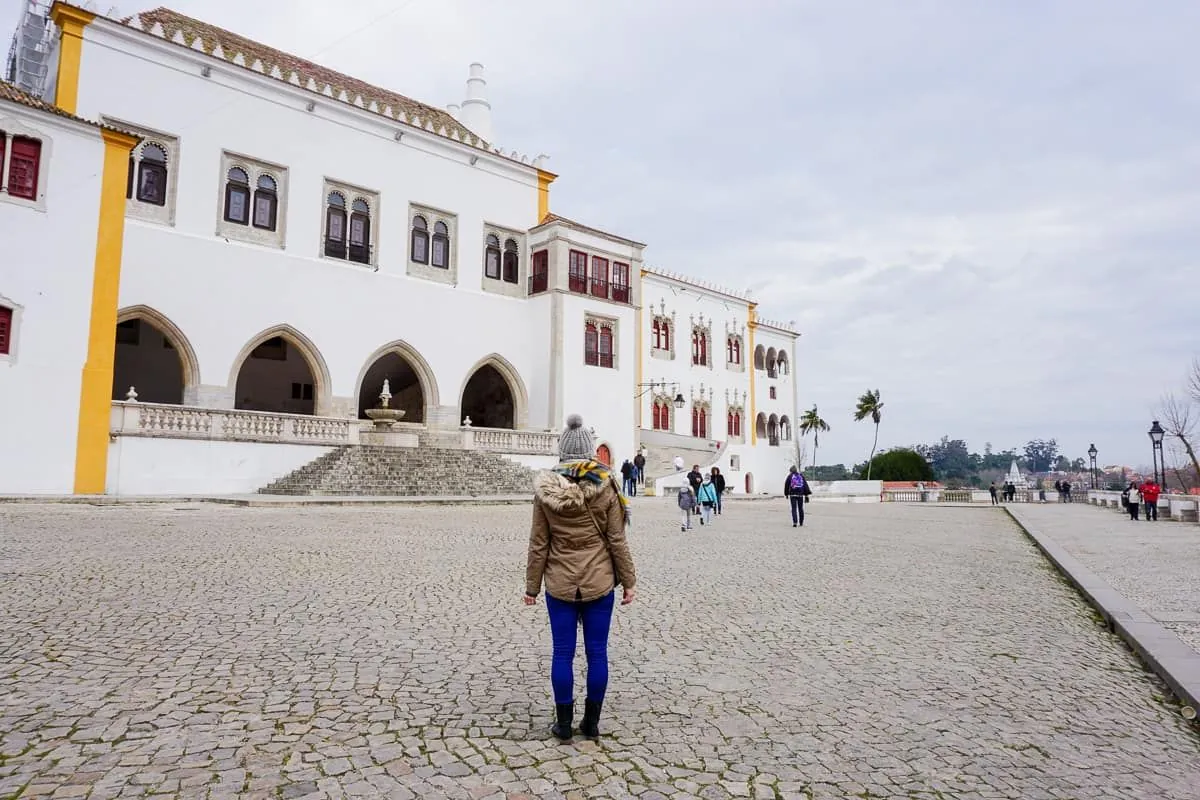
(811, 422)
(869, 405)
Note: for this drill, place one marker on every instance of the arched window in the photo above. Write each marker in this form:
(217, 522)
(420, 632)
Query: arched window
(699, 347)
(591, 344)
(737, 351)
(662, 415)
(335, 225)
(737, 423)
(512, 261)
(440, 252)
(666, 335)
(266, 203)
(783, 364)
(152, 175)
(606, 346)
(360, 231)
(729, 424)
(760, 357)
(656, 334)
(420, 240)
(237, 196)
(491, 257)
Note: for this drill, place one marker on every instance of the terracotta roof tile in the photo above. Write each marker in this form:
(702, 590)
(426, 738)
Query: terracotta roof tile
(15, 95)
(241, 51)
(549, 218)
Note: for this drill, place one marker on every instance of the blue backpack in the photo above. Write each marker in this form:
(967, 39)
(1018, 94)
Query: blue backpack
(796, 482)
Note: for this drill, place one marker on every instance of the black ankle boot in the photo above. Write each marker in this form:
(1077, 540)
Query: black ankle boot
(564, 713)
(590, 726)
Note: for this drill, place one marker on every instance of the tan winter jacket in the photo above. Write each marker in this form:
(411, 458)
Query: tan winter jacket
(565, 547)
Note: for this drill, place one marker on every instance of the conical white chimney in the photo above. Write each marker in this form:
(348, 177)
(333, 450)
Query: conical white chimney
(476, 112)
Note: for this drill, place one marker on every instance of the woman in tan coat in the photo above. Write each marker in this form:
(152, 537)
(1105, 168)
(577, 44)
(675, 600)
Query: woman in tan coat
(577, 546)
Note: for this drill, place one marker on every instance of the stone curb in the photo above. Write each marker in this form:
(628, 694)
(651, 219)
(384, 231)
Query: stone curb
(1160, 649)
(266, 501)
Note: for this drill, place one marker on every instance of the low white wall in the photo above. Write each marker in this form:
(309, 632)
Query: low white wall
(531, 461)
(160, 466)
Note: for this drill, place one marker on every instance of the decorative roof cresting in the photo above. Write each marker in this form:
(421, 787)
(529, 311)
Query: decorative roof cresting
(240, 51)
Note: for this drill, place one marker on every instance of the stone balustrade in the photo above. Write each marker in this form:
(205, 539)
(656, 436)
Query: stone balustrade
(1183, 507)
(187, 422)
(503, 440)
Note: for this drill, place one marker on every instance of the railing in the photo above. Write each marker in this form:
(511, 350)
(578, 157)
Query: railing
(598, 287)
(539, 282)
(186, 422)
(577, 283)
(502, 440)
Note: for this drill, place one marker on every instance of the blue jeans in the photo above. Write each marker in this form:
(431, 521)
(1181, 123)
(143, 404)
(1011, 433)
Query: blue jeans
(565, 617)
(797, 509)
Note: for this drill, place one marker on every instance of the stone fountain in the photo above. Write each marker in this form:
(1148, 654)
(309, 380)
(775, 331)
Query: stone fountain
(383, 415)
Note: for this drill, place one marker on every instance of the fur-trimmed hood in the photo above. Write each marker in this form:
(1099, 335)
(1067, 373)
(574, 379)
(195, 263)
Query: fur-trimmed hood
(563, 495)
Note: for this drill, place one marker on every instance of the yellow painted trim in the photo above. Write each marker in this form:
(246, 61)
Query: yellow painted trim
(72, 21)
(95, 391)
(751, 324)
(543, 197)
(637, 391)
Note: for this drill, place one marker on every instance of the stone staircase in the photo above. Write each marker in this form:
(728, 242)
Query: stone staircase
(406, 471)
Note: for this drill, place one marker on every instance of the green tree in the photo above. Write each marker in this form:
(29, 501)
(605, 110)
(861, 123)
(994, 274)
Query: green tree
(870, 405)
(811, 422)
(901, 464)
(1041, 455)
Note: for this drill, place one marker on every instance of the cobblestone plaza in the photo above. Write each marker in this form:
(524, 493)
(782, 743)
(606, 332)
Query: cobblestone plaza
(881, 651)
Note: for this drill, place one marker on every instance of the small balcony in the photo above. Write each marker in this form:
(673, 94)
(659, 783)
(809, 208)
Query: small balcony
(539, 282)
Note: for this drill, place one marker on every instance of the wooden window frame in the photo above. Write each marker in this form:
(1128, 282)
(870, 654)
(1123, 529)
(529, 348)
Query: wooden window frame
(6, 328)
(441, 235)
(539, 279)
(577, 271)
(231, 187)
(33, 158)
(271, 197)
(511, 262)
(491, 257)
(598, 277)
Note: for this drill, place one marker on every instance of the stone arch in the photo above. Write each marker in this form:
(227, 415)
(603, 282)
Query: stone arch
(760, 357)
(785, 428)
(773, 430)
(320, 398)
(781, 360)
(771, 362)
(157, 376)
(370, 383)
(512, 379)
(760, 425)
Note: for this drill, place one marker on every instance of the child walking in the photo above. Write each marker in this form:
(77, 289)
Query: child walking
(706, 496)
(687, 502)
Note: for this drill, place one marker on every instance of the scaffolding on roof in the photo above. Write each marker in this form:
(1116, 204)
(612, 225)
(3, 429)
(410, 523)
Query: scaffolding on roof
(29, 57)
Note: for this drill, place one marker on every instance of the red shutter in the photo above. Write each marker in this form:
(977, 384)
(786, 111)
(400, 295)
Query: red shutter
(3, 143)
(5, 330)
(23, 163)
(591, 345)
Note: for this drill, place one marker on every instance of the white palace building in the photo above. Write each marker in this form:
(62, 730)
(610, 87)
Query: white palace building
(199, 296)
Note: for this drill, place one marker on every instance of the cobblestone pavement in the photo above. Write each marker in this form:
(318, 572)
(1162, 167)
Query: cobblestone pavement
(880, 651)
(1155, 565)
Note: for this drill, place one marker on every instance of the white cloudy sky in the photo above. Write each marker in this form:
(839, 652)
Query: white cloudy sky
(988, 211)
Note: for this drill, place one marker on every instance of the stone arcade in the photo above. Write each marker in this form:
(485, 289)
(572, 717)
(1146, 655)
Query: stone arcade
(248, 294)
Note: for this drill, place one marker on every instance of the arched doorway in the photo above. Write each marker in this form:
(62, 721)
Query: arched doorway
(488, 400)
(604, 455)
(403, 381)
(760, 425)
(153, 357)
(749, 483)
(281, 372)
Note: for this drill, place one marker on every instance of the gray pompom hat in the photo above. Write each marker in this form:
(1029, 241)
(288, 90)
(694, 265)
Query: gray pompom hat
(576, 442)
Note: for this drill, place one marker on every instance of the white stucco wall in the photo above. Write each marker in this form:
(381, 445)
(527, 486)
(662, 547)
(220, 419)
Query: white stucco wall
(151, 466)
(46, 271)
(724, 315)
(222, 293)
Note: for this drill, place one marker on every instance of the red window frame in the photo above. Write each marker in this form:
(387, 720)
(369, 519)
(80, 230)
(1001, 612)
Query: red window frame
(620, 282)
(591, 344)
(6, 315)
(28, 152)
(577, 272)
(699, 423)
(598, 280)
(539, 280)
(699, 348)
(606, 346)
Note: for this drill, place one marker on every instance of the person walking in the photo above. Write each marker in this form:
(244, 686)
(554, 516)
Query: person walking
(1150, 492)
(719, 484)
(639, 464)
(577, 547)
(678, 462)
(1133, 500)
(797, 490)
(687, 503)
(695, 477)
(628, 478)
(706, 496)
(992, 491)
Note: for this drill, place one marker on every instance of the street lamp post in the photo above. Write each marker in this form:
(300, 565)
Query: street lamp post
(661, 386)
(1092, 455)
(1156, 439)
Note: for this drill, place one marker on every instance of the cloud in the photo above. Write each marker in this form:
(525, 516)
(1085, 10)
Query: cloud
(985, 210)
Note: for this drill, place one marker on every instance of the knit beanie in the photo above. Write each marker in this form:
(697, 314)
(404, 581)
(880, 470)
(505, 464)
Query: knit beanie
(576, 442)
